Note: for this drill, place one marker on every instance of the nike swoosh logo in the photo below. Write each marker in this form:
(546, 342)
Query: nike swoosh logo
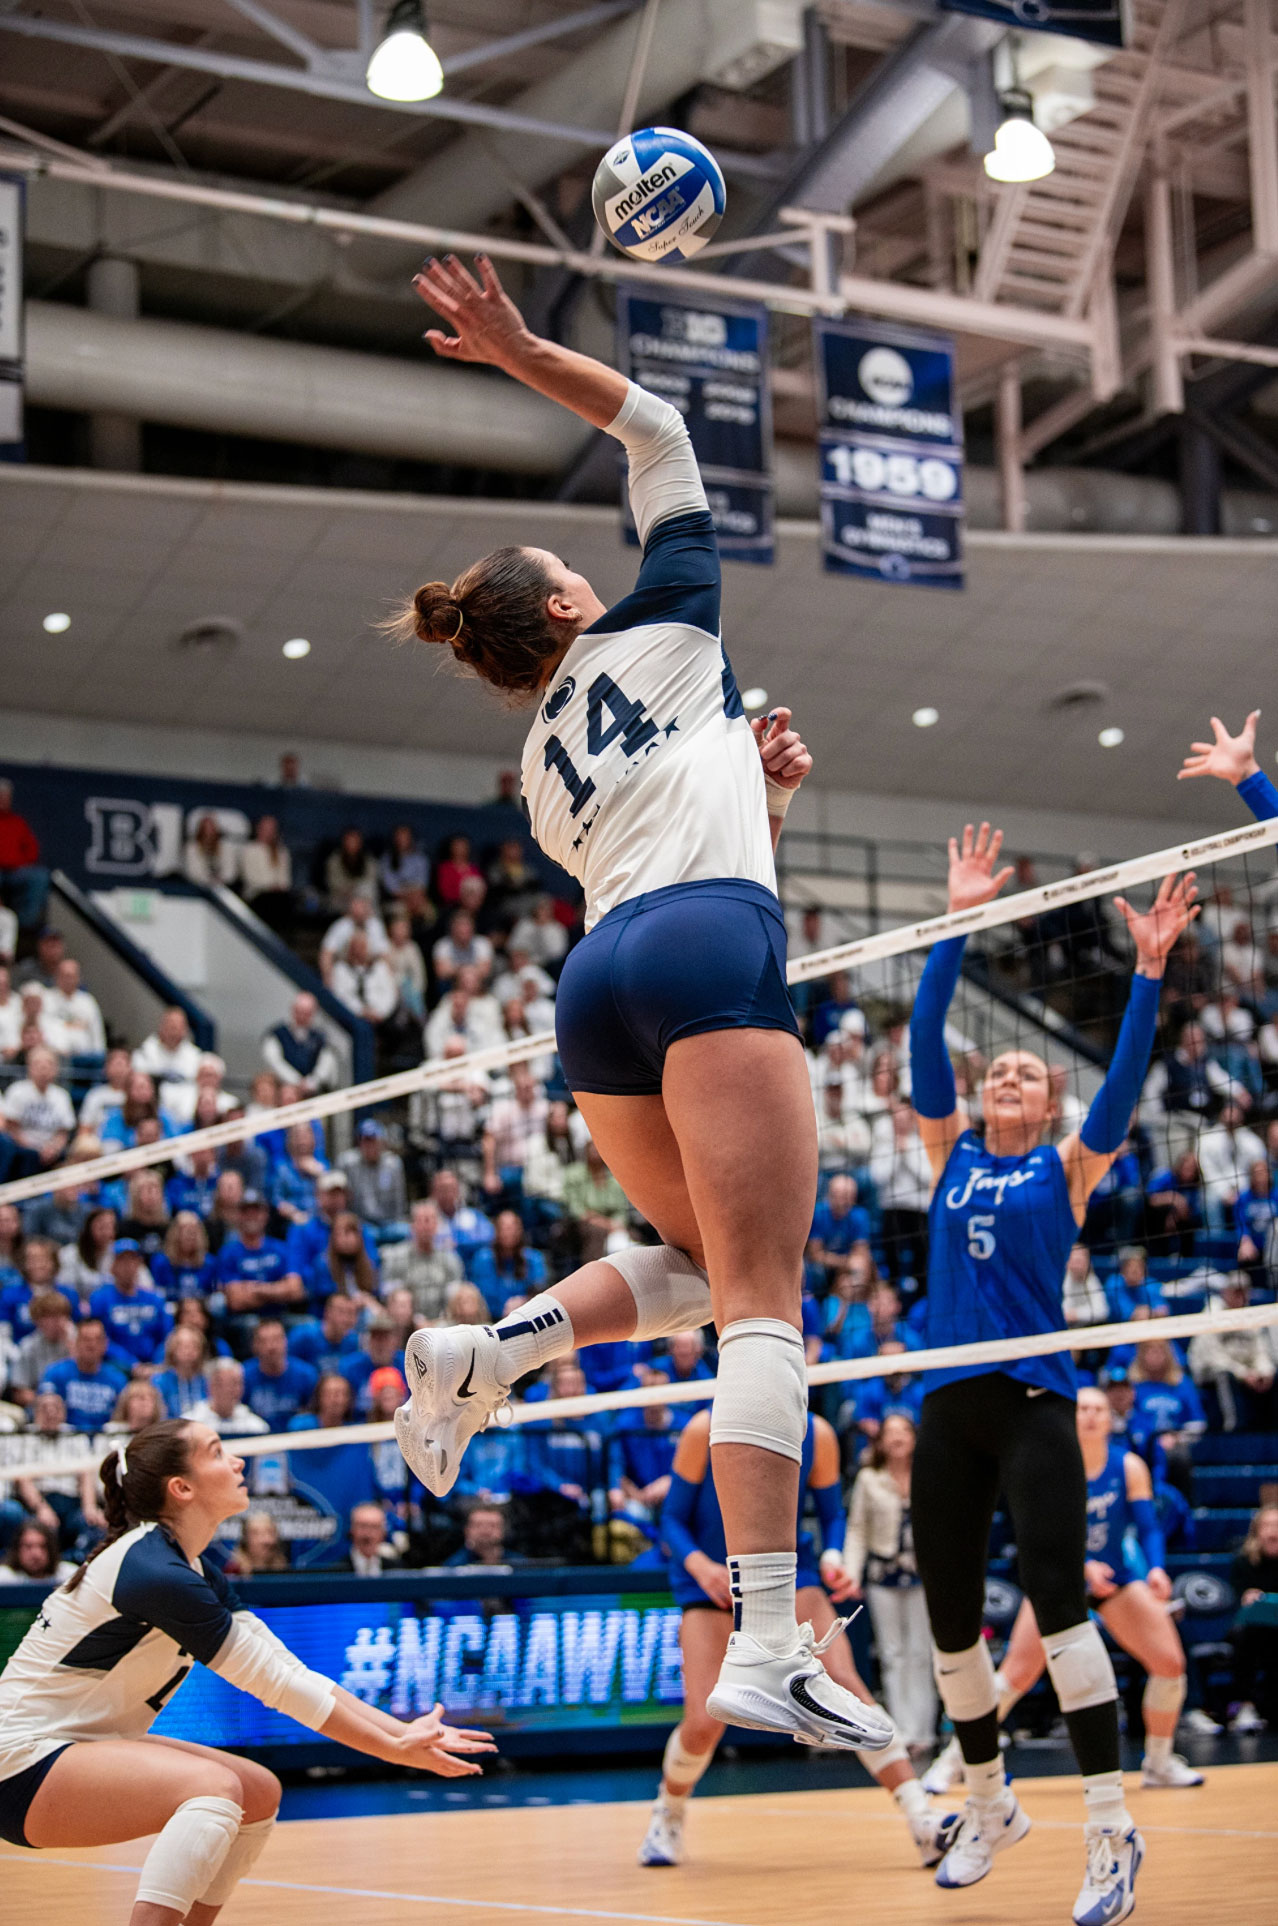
(1036, 1391)
(801, 1696)
(463, 1389)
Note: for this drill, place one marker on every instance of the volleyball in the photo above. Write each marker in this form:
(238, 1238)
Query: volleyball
(658, 195)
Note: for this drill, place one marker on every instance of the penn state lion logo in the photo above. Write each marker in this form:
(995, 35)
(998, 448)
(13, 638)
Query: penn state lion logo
(558, 700)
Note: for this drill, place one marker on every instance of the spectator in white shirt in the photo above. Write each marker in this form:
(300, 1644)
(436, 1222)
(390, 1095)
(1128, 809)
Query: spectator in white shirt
(359, 918)
(210, 857)
(406, 963)
(107, 1095)
(1241, 960)
(10, 1018)
(518, 1022)
(8, 933)
(452, 1114)
(842, 1141)
(1083, 1299)
(542, 935)
(902, 1177)
(460, 947)
(69, 1004)
(1070, 1112)
(182, 1099)
(299, 1051)
(169, 1055)
(475, 1018)
(513, 1122)
(266, 873)
(224, 1409)
(524, 979)
(36, 1022)
(1226, 1150)
(363, 982)
(40, 1114)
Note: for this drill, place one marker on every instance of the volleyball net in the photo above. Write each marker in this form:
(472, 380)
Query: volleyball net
(1047, 970)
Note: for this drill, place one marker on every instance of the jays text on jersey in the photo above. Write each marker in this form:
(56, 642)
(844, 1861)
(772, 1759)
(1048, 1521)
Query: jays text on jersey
(640, 770)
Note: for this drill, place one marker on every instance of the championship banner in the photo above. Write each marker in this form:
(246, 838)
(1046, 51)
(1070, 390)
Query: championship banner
(11, 354)
(891, 450)
(1104, 21)
(711, 363)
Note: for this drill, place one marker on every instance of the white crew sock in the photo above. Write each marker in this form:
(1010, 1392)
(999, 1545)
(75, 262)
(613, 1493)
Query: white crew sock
(1158, 1748)
(986, 1783)
(912, 1799)
(763, 1597)
(538, 1331)
(1103, 1796)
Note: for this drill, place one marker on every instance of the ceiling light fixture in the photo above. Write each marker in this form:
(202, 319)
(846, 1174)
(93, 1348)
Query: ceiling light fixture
(755, 699)
(296, 648)
(924, 718)
(1021, 152)
(404, 65)
(56, 624)
(1110, 738)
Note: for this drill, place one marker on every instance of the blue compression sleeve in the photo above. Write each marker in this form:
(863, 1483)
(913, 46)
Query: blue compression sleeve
(1149, 1532)
(676, 1518)
(829, 1507)
(1259, 795)
(931, 1072)
(1110, 1116)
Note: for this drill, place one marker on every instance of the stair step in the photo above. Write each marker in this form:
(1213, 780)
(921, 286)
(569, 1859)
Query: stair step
(1051, 267)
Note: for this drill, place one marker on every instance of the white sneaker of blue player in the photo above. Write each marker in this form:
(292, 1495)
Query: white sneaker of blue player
(985, 1827)
(792, 1692)
(946, 1770)
(1174, 1771)
(935, 1834)
(453, 1392)
(663, 1841)
(1108, 1892)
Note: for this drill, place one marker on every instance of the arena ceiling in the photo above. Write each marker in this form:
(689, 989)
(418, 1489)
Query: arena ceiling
(1172, 629)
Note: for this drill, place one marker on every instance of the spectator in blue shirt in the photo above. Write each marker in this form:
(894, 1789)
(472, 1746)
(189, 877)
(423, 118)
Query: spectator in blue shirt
(276, 1387)
(567, 1456)
(1253, 1218)
(194, 1188)
(182, 1383)
(461, 1226)
(1174, 1207)
(838, 1223)
(641, 1460)
(339, 1476)
(295, 1174)
(898, 1394)
(330, 1341)
(87, 1385)
(1132, 1287)
(184, 1267)
(345, 1266)
(509, 1266)
(847, 1314)
(378, 1351)
(684, 1362)
(1168, 1406)
(308, 1242)
(609, 1366)
(39, 1260)
(136, 1316)
(253, 1269)
(885, 1325)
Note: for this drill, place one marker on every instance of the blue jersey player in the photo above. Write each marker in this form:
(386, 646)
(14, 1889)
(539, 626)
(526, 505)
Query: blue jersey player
(1129, 1599)
(692, 1532)
(1005, 1211)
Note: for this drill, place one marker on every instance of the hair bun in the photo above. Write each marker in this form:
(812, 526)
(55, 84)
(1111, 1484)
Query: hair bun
(439, 617)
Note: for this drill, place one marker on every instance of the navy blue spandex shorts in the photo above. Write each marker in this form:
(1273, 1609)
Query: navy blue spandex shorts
(672, 963)
(17, 1794)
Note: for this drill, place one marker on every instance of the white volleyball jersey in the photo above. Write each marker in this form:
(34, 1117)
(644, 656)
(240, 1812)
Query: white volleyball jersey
(100, 1662)
(641, 770)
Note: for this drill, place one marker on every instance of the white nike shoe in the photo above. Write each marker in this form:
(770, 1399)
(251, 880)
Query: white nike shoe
(1175, 1772)
(1197, 1720)
(454, 1391)
(1108, 1891)
(934, 1834)
(1247, 1719)
(946, 1769)
(985, 1828)
(663, 1841)
(792, 1692)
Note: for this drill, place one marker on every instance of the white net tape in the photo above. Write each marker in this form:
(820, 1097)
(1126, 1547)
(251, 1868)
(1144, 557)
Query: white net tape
(993, 1351)
(845, 956)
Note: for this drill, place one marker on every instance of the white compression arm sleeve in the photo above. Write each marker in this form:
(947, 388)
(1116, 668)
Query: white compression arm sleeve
(664, 477)
(255, 1660)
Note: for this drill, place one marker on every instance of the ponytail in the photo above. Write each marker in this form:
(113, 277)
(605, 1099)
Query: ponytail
(135, 1482)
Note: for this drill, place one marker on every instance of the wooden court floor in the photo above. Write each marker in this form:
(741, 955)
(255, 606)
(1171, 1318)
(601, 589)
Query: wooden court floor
(790, 1859)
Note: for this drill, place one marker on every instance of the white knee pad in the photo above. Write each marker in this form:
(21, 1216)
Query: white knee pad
(965, 1681)
(1079, 1667)
(670, 1293)
(189, 1853)
(896, 1753)
(1164, 1695)
(680, 1766)
(761, 1396)
(246, 1849)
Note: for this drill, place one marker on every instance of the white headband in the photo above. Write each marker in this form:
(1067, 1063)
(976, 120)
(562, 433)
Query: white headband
(121, 1462)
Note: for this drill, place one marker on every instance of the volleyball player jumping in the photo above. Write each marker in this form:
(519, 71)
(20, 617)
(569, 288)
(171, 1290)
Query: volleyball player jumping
(78, 1697)
(673, 1020)
(1005, 1210)
(692, 1531)
(1131, 1608)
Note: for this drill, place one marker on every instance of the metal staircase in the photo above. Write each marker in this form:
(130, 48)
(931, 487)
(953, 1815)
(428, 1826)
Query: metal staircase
(1049, 240)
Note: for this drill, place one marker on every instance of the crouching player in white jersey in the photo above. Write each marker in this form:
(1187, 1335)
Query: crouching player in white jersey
(674, 1024)
(77, 1699)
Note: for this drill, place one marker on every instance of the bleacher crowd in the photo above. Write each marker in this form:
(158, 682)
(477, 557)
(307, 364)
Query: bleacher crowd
(270, 1286)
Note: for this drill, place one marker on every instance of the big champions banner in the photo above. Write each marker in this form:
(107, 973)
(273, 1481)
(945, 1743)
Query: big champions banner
(711, 362)
(891, 448)
(11, 221)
